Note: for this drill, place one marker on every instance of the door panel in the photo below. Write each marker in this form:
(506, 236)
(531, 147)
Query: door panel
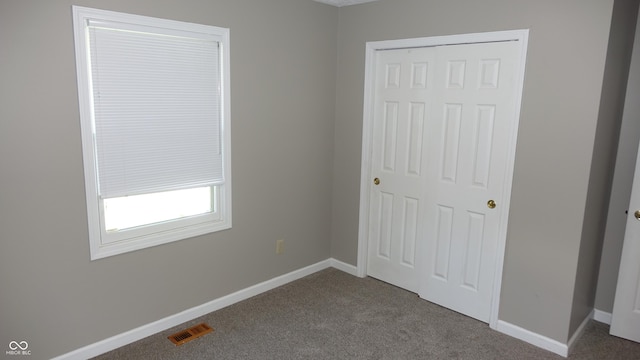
(442, 123)
(397, 206)
(625, 320)
(467, 147)
(450, 142)
(444, 235)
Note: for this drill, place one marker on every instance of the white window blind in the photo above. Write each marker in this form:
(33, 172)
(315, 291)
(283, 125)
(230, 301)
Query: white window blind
(157, 108)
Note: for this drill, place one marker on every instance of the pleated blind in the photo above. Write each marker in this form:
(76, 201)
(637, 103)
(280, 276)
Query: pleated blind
(157, 107)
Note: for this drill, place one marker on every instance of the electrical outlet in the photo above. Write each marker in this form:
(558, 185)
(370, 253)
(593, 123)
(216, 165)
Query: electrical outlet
(279, 246)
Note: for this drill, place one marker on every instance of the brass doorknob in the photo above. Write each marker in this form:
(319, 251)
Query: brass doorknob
(637, 214)
(491, 204)
(376, 181)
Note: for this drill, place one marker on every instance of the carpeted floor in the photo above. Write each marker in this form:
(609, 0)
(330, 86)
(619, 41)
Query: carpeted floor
(333, 315)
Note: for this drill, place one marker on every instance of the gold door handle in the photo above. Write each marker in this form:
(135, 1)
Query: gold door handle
(491, 204)
(376, 181)
(637, 214)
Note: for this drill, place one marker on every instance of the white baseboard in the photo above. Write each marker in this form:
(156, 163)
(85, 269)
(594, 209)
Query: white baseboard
(533, 338)
(141, 332)
(578, 333)
(601, 316)
(543, 341)
(342, 266)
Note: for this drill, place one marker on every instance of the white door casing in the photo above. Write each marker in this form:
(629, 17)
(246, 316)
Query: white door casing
(372, 223)
(625, 319)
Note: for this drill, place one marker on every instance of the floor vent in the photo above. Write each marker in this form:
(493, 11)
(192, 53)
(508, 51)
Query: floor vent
(191, 333)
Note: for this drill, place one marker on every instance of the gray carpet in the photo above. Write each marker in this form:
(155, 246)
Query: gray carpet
(333, 315)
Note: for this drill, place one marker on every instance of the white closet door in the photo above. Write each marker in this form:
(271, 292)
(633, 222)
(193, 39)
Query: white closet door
(469, 130)
(396, 226)
(625, 320)
(443, 117)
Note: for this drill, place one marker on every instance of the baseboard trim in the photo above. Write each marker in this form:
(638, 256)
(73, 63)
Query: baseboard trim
(602, 316)
(141, 332)
(344, 267)
(533, 338)
(579, 331)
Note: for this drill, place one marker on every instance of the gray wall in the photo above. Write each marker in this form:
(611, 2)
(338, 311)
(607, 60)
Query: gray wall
(565, 68)
(604, 153)
(283, 66)
(621, 191)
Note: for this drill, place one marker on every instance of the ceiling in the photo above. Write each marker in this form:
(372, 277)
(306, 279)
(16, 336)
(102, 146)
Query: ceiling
(340, 3)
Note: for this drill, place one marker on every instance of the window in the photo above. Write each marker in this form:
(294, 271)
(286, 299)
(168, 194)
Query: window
(154, 113)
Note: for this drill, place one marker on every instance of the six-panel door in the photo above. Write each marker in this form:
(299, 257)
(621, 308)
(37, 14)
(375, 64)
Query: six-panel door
(442, 121)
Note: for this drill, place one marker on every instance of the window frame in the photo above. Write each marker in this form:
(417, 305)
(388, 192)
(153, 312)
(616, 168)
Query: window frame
(103, 244)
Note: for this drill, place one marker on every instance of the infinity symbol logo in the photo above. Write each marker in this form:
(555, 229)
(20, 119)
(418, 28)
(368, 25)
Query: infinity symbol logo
(22, 345)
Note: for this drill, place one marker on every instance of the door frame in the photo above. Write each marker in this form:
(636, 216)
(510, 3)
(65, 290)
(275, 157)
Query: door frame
(521, 36)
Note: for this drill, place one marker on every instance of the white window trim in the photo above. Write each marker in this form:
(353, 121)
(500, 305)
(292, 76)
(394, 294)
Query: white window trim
(162, 233)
